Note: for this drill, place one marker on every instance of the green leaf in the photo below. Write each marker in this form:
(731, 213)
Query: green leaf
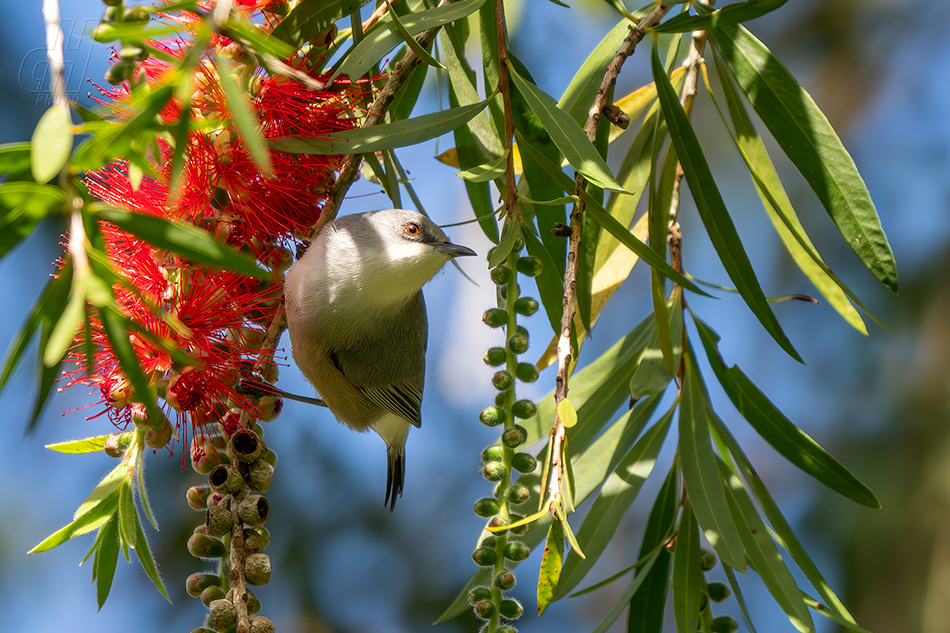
(15, 158)
(782, 529)
(780, 209)
(648, 605)
(145, 558)
(618, 493)
(374, 46)
(829, 613)
(307, 19)
(239, 107)
(107, 556)
(687, 573)
(115, 326)
(48, 375)
(780, 432)
(700, 473)
(65, 330)
(143, 493)
(186, 240)
(413, 45)
(580, 93)
(722, 232)
(740, 599)
(550, 284)
(380, 137)
(127, 511)
(764, 555)
(652, 375)
(51, 144)
(33, 199)
(551, 562)
(566, 134)
(509, 234)
(621, 604)
(94, 517)
(809, 140)
(87, 445)
(728, 15)
(486, 171)
(106, 486)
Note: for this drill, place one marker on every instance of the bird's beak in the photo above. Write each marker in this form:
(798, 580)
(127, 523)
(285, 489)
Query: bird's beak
(452, 250)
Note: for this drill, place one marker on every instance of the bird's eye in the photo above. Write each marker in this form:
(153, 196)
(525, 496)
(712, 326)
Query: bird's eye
(412, 229)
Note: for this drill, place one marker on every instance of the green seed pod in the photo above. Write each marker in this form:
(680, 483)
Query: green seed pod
(257, 569)
(503, 291)
(511, 609)
(478, 594)
(719, 592)
(524, 409)
(502, 380)
(254, 510)
(253, 542)
(493, 454)
(522, 529)
(517, 551)
(492, 416)
(260, 624)
(133, 54)
(724, 624)
(260, 475)
(526, 306)
(486, 507)
(223, 615)
(506, 629)
(226, 479)
(526, 372)
(137, 14)
(253, 603)
(485, 609)
(104, 33)
(517, 343)
(498, 522)
(524, 463)
(270, 457)
(500, 399)
(518, 493)
(489, 541)
(505, 580)
(210, 594)
(112, 3)
(204, 546)
(495, 356)
(529, 266)
(709, 560)
(196, 583)
(494, 471)
(495, 317)
(515, 436)
(484, 557)
(117, 443)
(501, 275)
(159, 438)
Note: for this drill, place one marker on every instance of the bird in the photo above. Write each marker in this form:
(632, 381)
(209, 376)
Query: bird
(358, 325)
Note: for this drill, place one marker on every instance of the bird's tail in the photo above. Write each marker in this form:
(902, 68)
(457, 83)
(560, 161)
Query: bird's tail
(395, 475)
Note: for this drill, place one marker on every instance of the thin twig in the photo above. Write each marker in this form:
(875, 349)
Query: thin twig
(570, 274)
(511, 185)
(375, 114)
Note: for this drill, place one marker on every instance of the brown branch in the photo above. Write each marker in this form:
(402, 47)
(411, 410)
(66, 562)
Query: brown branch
(504, 86)
(375, 114)
(580, 190)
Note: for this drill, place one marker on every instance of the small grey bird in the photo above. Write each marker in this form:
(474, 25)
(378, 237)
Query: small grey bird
(358, 325)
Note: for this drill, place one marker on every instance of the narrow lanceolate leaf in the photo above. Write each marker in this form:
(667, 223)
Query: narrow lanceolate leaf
(780, 432)
(377, 138)
(648, 604)
(95, 517)
(116, 328)
(687, 573)
(127, 512)
(307, 19)
(783, 530)
(88, 445)
(780, 209)
(580, 93)
(719, 226)
(413, 45)
(145, 558)
(643, 573)
(107, 555)
(809, 140)
(551, 562)
(486, 171)
(15, 158)
(63, 332)
(700, 473)
(728, 15)
(51, 143)
(764, 555)
(566, 134)
(616, 496)
(188, 241)
(242, 115)
(374, 46)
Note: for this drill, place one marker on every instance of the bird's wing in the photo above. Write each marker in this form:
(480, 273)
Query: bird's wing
(395, 385)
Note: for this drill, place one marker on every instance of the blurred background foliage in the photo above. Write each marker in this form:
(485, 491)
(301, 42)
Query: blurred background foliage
(879, 404)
